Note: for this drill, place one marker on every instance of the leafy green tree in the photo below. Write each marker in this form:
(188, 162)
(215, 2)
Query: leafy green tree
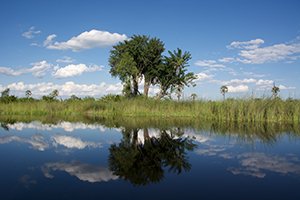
(54, 94)
(5, 93)
(133, 59)
(275, 90)
(28, 93)
(172, 74)
(223, 90)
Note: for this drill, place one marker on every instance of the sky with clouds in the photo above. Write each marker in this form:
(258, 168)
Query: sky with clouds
(64, 45)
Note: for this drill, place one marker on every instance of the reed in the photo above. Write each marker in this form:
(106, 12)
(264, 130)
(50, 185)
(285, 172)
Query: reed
(242, 109)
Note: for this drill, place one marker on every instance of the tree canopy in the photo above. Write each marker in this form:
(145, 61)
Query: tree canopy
(141, 58)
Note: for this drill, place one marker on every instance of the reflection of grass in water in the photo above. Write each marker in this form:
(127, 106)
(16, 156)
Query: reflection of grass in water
(245, 132)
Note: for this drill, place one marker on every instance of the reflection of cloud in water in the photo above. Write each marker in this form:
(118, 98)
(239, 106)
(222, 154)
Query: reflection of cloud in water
(209, 152)
(27, 181)
(36, 141)
(253, 163)
(190, 134)
(82, 171)
(67, 126)
(72, 142)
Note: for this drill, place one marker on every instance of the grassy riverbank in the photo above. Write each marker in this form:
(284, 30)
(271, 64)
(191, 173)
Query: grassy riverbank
(266, 109)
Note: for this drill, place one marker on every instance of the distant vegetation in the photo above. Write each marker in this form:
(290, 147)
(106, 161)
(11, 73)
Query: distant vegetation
(246, 109)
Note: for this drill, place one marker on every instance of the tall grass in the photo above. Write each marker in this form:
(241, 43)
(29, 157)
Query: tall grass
(243, 109)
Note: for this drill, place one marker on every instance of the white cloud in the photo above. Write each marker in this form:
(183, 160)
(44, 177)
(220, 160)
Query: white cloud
(29, 34)
(226, 60)
(72, 142)
(264, 82)
(252, 74)
(239, 88)
(252, 44)
(86, 40)
(208, 63)
(34, 44)
(282, 87)
(202, 77)
(38, 70)
(67, 89)
(234, 81)
(83, 171)
(48, 41)
(65, 59)
(74, 70)
(252, 54)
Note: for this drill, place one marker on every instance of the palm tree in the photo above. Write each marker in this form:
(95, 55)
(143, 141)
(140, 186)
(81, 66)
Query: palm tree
(179, 61)
(193, 96)
(223, 90)
(275, 90)
(28, 93)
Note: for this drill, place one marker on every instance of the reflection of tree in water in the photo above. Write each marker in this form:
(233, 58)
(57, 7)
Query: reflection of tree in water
(4, 126)
(143, 163)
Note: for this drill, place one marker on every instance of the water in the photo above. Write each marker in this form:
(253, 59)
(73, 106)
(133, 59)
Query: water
(122, 160)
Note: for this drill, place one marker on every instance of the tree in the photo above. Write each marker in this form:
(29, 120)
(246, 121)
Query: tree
(54, 94)
(223, 90)
(179, 61)
(5, 93)
(133, 59)
(28, 93)
(275, 90)
(171, 74)
(193, 96)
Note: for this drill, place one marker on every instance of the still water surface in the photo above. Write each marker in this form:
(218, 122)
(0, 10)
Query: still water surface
(76, 160)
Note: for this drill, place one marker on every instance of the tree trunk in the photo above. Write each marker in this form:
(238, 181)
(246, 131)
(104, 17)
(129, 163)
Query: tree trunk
(146, 88)
(135, 86)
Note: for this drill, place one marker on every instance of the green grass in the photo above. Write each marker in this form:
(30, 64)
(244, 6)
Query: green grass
(244, 109)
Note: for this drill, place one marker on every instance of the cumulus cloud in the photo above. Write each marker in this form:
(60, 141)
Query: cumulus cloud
(282, 87)
(38, 70)
(86, 40)
(30, 33)
(83, 171)
(252, 44)
(226, 60)
(48, 41)
(252, 74)
(67, 89)
(74, 70)
(72, 142)
(208, 63)
(234, 81)
(202, 77)
(264, 82)
(65, 59)
(239, 88)
(252, 54)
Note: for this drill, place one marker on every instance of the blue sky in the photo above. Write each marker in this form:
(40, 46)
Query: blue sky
(64, 45)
